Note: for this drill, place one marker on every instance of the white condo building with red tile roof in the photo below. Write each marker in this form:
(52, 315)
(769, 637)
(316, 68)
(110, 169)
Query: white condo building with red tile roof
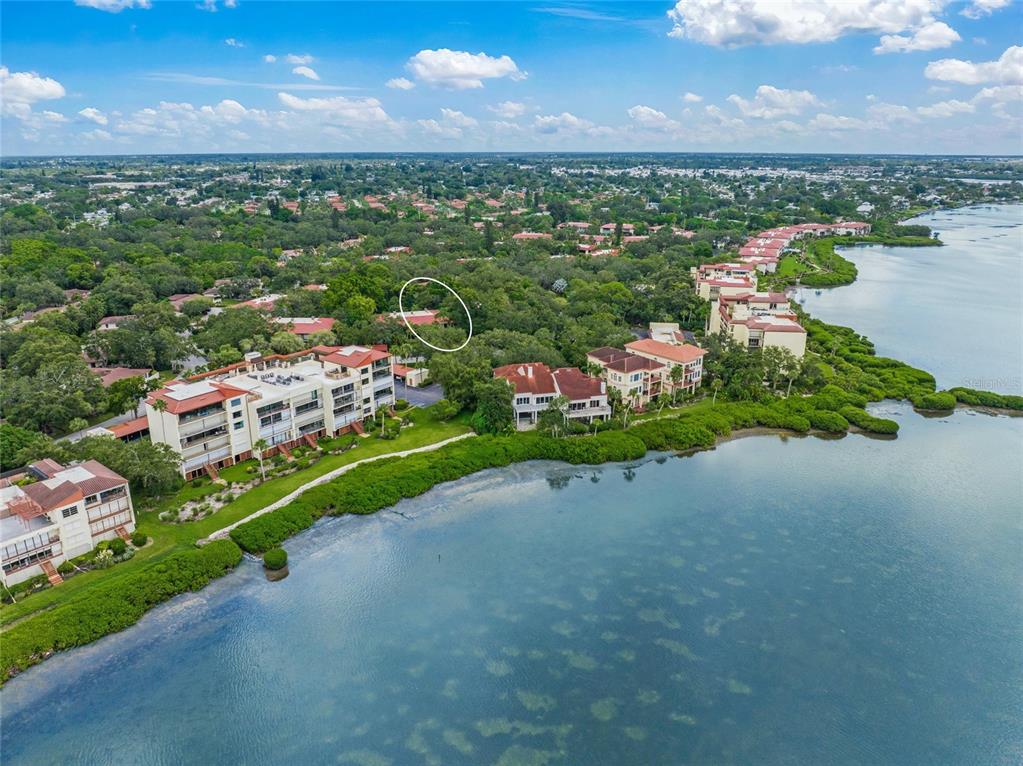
(643, 370)
(758, 320)
(536, 386)
(50, 513)
(214, 419)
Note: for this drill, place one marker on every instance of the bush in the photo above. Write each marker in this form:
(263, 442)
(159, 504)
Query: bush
(941, 400)
(864, 420)
(987, 398)
(825, 420)
(275, 558)
(113, 605)
(138, 539)
(118, 546)
(66, 568)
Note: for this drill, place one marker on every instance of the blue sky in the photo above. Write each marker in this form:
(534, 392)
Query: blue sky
(131, 76)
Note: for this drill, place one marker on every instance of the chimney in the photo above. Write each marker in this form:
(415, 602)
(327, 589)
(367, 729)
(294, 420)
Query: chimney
(529, 371)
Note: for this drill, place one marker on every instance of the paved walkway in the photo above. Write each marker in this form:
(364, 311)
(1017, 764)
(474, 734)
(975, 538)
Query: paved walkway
(221, 533)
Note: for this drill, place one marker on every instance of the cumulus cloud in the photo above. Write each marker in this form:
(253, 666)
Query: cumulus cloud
(460, 69)
(305, 71)
(883, 113)
(400, 83)
(349, 112)
(1008, 69)
(269, 58)
(113, 6)
(509, 109)
(692, 98)
(732, 23)
(233, 43)
(770, 101)
(937, 34)
(19, 90)
(93, 115)
(452, 124)
(97, 135)
(648, 118)
(945, 108)
(837, 122)
(296, 58)
(979, 8)
(567, 124)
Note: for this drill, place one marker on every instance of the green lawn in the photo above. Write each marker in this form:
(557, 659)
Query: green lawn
(168, 538)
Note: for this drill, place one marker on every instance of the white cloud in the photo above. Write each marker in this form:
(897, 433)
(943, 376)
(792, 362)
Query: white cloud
(979, 8)
(400, 83)
(692, 98)
(1008, 69)
(883, 113)
(451, 125)
(836, 122)
(233, 43)
(295, 58)
(97, 135)
(731, 23)
(269, 58)
(93, 115)
(49, 116)
(717, 114)
(567, 124)
(509, 109)
(19, 90)
(937, 34)
(113, 6)
(458, 118)
(460, 69)
(648, 118)
(350, 112)
(945, 108)
(773, 102)
(305, 71)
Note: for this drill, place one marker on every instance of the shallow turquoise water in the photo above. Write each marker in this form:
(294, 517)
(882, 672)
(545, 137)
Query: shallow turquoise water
(775, 601)
(954, 310)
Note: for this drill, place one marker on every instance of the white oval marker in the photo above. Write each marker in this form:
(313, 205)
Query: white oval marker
(408, 324)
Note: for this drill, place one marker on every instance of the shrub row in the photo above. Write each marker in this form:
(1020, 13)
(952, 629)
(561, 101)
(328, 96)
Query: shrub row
(370, 487)
(112, 606)
(866, 421)
(939, 400)
(987, 398)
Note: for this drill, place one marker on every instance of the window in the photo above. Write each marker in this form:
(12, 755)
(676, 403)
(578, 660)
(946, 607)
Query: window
(239, 425)
(69, 512)
(236, 402)
(522, 400)
(237, 415)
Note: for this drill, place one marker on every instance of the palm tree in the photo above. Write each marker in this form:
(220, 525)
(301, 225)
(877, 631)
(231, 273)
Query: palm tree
(678, 374)
(716, 386)
(259, 447)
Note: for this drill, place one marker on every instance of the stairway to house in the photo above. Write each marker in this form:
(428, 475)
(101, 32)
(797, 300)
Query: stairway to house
(308, 438)
(123, 534)
(211, 471)
(357, 427)
(51, 574)
(284, 451)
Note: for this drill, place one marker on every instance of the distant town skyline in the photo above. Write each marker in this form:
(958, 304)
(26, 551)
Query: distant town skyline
(840, 76)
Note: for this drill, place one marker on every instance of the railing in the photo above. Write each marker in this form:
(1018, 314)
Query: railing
(210, 457)
(203, 436)
(198, 425)
(102, 512)
(381, 374)
(308, 407)
(270, 409)
(309, 428)
(189, 417)
(210, 445)
(21, 555)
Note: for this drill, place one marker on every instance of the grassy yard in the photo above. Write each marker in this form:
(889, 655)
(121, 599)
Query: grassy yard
(169, 537)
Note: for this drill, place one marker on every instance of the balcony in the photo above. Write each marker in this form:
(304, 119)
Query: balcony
(207, 445)
(31, 551)
(191, 464)
(312, 406)
(270, 409)
(198, 425)
(189, 417)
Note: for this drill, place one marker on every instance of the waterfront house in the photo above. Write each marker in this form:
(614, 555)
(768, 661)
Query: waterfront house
(535, 386)
(49, 514)
(758, 320)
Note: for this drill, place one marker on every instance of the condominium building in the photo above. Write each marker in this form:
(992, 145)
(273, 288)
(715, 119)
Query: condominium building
(758, 320)
(709, 287)
(536, 386)
(214, 419)
(49, 514)
(644, 369)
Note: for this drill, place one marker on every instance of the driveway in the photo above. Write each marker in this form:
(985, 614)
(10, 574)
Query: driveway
(421, 397)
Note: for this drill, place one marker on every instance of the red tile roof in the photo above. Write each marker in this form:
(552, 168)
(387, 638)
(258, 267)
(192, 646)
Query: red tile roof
(680, 354)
